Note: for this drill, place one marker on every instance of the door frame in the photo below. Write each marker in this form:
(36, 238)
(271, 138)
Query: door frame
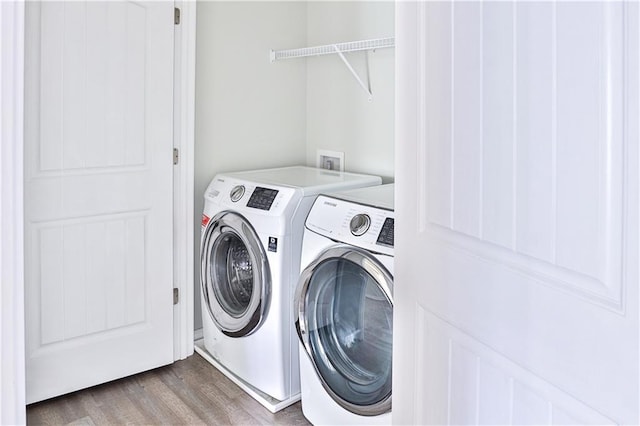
(183, 178)
(12, 403)
(12, 354)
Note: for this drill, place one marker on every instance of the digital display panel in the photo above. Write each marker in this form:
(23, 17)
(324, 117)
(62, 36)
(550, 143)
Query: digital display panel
(262, 198)
(385, 237)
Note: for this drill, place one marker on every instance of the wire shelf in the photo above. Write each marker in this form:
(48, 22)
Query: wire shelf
(351, 46)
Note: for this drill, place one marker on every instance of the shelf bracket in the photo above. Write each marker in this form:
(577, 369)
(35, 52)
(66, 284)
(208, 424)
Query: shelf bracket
(366, 87)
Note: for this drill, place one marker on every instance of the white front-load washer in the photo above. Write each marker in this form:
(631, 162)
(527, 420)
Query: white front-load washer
(344, 304)
(252, 228)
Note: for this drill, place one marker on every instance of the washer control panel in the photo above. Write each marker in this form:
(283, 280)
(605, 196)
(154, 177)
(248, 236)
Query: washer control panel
(244, 195)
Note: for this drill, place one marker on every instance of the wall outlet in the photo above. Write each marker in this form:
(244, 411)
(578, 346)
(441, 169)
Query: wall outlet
(331, 160)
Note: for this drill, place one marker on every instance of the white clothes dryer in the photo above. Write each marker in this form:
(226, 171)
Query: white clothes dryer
(344, 304)
(252, 228)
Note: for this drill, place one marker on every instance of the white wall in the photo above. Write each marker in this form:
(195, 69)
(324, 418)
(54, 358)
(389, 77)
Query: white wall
(339, 116)
(250, 113)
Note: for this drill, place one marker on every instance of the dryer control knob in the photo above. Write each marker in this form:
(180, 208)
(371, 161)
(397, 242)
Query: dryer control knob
(236, 193)
(359, 224)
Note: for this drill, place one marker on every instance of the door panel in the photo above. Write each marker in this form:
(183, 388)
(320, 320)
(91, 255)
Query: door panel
(556, 187)
(485, 387)
(98, 192)
(521, 214)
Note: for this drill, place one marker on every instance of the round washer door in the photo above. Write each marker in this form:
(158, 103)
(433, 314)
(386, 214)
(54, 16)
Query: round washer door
(345, 323)
(236, 280)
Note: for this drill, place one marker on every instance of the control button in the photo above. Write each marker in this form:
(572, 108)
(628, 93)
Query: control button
(359, 224)
(236, 193)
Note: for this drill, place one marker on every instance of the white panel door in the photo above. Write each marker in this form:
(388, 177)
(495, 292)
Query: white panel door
(98, 192)
(516, 285)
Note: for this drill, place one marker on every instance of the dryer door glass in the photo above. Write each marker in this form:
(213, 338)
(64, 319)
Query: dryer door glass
(236, 280)
(349, 322)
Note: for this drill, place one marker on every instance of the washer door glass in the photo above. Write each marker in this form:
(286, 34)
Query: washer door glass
(348, 320)
(232, 271)
(236, 281)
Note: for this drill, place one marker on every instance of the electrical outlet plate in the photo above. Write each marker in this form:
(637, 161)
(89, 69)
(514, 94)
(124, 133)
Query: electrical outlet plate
(331, 160)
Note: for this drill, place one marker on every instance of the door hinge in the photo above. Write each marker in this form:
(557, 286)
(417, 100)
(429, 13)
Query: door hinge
(176, 16)
(176, 156)
(176, 296)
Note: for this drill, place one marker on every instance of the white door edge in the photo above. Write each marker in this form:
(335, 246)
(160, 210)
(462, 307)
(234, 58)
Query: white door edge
(184, 119)
(12, 356)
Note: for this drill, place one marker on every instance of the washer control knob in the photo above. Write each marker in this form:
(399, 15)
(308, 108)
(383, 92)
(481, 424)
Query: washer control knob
(236, 193)
(359, 224)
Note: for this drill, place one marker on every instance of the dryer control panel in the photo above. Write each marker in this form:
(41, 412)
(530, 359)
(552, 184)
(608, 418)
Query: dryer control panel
(357, 224)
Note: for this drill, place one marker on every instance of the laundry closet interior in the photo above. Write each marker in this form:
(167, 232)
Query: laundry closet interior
(266, 99)
(252, 113)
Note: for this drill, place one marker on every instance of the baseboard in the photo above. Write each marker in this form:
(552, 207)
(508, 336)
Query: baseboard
(198, 334)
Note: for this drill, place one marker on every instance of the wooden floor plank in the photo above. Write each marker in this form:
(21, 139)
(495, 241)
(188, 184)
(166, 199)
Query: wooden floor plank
(188, 392)
(115, 404)
(216, 403)
(145, 392)
(91, 407)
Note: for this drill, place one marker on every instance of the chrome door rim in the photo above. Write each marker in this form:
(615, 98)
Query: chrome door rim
(385, 282)
(224, 223)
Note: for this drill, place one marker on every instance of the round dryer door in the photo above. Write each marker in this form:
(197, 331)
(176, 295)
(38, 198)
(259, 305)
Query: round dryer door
(236, 281)
(345, 322)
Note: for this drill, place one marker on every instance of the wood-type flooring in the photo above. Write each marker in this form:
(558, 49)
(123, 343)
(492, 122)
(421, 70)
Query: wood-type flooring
(187, 392)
